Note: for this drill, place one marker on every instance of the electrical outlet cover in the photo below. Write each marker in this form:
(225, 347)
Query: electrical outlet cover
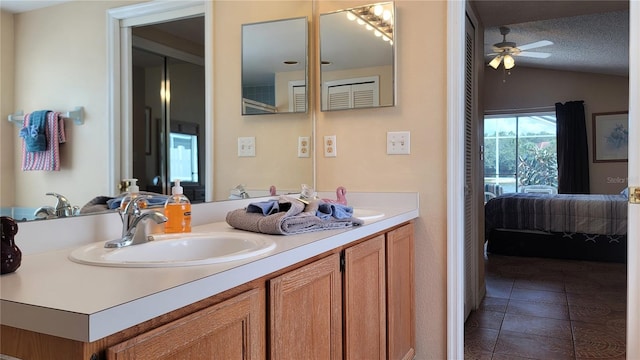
(330, 149)
(303, 147)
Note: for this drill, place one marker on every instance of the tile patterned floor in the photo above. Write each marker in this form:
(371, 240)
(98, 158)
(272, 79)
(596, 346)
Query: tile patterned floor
(549, 309)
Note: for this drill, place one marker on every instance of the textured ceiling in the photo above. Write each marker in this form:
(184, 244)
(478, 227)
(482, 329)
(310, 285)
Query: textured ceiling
(588, 36)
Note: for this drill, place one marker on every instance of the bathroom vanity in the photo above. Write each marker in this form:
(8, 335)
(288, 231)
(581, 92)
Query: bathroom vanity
(328, 294)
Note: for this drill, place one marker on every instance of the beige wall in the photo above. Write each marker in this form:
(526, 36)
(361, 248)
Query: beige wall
(531, 88)
(7, 131)
(363, 165)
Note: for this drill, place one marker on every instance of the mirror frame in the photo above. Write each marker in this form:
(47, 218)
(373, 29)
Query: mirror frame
(272, 109)
(394, 77)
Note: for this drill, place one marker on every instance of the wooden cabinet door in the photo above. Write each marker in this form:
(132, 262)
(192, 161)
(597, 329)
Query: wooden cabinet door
(365, 304)
(306, 313)
(233, 329)
(400, 293)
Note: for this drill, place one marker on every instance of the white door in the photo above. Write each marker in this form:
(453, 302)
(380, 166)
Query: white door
(633, 235)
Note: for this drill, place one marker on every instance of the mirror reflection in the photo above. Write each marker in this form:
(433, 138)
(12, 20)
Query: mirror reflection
(357, 57)
(87, 172)
(274, 67)
(168, 99)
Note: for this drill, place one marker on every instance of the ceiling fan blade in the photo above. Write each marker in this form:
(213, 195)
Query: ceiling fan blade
(534, 45)
(533, 54)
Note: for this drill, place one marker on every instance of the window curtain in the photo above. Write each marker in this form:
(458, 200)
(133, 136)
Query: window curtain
(573, 153)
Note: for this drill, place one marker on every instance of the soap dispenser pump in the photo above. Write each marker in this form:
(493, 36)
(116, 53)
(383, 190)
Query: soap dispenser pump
(132, 193)
(177, 209)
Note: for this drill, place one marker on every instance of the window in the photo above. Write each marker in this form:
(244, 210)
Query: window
(183, 157)
(520, 153)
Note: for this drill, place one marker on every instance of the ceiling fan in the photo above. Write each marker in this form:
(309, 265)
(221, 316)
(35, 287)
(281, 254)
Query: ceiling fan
(505, 51)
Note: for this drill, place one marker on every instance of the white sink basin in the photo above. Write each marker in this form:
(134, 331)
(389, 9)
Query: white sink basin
(177, 250)
(367, 214)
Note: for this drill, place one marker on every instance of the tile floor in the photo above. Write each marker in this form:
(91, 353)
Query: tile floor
(549, 309)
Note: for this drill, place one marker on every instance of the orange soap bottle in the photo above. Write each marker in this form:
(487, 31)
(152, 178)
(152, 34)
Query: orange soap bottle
(177, 209)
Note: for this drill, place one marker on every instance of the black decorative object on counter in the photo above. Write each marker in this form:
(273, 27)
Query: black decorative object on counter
(11, 255)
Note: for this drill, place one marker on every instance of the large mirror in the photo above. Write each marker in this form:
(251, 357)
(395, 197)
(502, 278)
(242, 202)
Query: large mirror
(89, 159)
(274, 67)
(357, 57)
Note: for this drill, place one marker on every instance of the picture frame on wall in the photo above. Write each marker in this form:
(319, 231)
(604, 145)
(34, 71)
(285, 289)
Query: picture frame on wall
(611, 137)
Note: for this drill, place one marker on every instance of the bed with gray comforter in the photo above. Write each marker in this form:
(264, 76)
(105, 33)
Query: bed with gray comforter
(582, 227)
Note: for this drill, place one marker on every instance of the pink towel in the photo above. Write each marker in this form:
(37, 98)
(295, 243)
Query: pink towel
(48, 160)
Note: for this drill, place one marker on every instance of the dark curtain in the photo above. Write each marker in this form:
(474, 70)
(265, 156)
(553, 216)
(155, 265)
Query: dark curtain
(573, 153)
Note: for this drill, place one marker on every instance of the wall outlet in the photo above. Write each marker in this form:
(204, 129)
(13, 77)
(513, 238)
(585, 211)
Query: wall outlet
(398, 143)
(330, 146)
(303, 147)
(246, 146)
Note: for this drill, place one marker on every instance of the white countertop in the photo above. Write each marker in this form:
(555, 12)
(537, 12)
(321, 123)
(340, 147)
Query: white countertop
(53, 295)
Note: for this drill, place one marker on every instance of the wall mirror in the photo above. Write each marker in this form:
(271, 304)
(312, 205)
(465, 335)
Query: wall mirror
(357, 57)
(94, 157)
(274, 67)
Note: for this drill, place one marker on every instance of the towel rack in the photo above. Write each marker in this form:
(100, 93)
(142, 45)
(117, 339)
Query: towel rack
(77, 115)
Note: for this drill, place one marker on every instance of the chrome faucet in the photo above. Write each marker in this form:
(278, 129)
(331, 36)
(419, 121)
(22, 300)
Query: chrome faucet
(63, 208)
(132, 217)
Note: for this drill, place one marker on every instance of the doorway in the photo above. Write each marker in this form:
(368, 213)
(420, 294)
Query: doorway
(169, 107)
(121, 23)
(455, 254)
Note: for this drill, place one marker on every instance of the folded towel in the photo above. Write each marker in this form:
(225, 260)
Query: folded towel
(34, 131)
(153, 199)
(338, 211)
(265, 207)
(49, 159)
(97, 204)
(296, 219)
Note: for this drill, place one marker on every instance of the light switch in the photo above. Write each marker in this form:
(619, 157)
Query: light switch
(246, 146)
(398, 143)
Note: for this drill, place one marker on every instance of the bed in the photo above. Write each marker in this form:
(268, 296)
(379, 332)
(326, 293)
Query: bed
(581, 227)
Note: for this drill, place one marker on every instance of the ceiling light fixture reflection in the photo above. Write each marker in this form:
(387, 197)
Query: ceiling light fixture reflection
(377, 17)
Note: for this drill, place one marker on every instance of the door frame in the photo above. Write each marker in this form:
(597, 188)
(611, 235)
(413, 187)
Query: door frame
(455, 181)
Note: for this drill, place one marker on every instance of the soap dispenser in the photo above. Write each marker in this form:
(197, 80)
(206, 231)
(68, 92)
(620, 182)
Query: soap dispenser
(132, 193)
(177, 209)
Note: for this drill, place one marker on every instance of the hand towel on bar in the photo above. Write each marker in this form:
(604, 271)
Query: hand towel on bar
(34, 131)
(297, 219)
(48, 160)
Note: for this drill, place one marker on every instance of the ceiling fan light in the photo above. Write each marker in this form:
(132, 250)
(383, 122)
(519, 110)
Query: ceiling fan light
(496, 62)
(509, 62)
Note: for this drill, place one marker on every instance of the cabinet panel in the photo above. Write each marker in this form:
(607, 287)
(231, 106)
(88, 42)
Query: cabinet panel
(233, 329)
(400, 293)
(306, 312)
(365, 300)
